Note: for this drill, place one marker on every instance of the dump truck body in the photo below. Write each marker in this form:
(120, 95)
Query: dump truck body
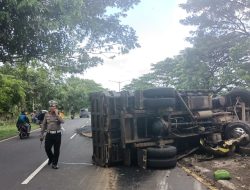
(147, 125)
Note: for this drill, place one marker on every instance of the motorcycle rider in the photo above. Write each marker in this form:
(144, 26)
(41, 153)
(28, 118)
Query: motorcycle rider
(23, 120)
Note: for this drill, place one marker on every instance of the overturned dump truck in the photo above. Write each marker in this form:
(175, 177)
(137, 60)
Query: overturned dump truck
(151, 127)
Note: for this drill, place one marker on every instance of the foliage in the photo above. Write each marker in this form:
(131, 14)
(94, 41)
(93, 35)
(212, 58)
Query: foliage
(12, 92)
(220, 56)
(141, 83)
(32, 88)
(75, 93)
(218, 18)
(65, 34)
(40, 84)
(221, 40)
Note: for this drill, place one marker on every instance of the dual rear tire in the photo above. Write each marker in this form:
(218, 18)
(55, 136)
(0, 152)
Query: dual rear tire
(159, 98)
(161, 157)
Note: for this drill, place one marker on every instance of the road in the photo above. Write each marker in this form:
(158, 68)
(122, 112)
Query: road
(23, 167)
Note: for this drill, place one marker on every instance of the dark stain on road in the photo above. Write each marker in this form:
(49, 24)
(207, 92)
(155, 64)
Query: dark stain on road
(132, 177)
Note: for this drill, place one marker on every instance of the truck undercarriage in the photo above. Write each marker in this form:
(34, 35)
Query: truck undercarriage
(151, 127)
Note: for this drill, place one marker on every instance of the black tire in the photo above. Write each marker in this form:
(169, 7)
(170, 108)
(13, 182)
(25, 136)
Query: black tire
(159, 102)
(162, 163)
(235, 129)
(244, 150)
(159, 92)
(22, 135)
(161, 153)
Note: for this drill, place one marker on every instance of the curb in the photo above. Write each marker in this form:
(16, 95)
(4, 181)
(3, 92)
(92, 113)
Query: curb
(227, 184)
(205, 182)
(224, 183)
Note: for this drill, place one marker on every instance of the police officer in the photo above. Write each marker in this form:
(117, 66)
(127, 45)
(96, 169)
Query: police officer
(52, 124)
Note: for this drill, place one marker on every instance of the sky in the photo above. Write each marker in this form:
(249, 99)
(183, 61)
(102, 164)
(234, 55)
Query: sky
(160, 35)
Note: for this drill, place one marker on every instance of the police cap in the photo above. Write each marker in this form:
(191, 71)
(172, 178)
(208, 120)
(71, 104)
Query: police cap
(52, 103)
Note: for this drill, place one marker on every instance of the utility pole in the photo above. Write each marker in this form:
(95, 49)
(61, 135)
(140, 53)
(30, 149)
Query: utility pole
(119, 83)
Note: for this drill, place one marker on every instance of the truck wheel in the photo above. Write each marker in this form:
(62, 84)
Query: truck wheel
(162, 163)
(236, 129)
(159, 102)
(161, 153)
(159, 92)
(245, 150)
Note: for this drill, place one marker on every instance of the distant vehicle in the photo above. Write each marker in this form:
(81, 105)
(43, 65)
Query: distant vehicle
(84, 113)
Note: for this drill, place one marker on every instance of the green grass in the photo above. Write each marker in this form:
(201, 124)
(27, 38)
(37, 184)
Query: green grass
(9, 130)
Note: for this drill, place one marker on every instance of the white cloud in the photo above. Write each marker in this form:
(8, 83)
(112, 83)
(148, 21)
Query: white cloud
(157, 43)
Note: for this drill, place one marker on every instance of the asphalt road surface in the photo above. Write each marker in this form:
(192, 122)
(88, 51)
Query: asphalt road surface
(23, 166)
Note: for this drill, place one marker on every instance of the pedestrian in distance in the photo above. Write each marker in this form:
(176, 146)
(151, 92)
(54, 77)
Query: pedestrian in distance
(72, 112)
(33, 116)
(52, 125)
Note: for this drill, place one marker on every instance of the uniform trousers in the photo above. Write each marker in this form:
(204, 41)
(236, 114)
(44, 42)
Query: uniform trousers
(53, 140)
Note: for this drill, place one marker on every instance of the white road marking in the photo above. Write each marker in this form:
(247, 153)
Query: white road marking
(85, 125)
(73, 136)
(8, 138)
(83, 163)
(162, 184)
(26, 181)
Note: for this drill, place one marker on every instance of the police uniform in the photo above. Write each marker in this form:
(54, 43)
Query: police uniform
(52, 124)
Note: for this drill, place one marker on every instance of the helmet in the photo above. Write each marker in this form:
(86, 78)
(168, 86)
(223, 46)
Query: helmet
(52, 103)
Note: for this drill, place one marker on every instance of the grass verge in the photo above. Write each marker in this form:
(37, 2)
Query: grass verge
(9, 130)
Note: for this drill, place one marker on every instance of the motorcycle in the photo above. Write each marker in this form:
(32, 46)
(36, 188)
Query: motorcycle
(24, 131)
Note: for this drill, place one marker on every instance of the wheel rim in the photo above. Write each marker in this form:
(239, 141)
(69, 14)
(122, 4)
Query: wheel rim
(238, 131)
